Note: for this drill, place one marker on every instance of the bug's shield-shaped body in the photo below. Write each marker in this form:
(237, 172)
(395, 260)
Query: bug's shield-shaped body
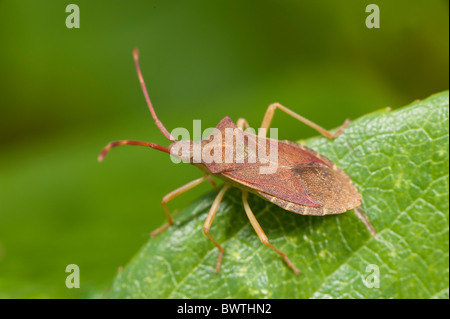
(303, 182)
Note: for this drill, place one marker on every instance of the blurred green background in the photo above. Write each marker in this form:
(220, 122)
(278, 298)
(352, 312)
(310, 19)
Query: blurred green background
(65, 93)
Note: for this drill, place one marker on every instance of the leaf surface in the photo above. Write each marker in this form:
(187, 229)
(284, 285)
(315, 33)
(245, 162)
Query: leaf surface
(399, 162)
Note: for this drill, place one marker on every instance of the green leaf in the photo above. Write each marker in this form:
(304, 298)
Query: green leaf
(399, 162)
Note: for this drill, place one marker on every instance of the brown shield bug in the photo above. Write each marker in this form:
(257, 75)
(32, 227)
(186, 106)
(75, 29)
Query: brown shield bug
(304, 181)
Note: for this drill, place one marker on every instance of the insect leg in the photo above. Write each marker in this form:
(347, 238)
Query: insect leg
(271, 110)
(262, 236)
(211, 180)
(174, 194)
(209, 220)
(366, 221)
(242, 123)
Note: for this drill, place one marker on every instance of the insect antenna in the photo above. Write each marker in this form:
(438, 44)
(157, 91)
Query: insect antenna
(147, 98)
(127, 142)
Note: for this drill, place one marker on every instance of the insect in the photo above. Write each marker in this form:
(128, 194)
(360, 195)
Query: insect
(305, 182)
